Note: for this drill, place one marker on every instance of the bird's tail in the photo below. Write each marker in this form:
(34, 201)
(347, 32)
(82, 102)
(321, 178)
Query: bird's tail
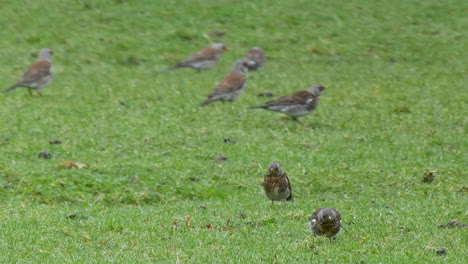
(171, 69)
(208, 101)
(257, 107)
(11, 88)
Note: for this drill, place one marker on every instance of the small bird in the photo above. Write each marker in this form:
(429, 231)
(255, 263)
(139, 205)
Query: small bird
(38, 75)
(232, 85)
(276, 184)
(257, 56)
(325, 222)
(295, 105)
(204, 59)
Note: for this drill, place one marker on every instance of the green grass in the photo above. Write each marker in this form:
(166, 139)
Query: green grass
(396, 105)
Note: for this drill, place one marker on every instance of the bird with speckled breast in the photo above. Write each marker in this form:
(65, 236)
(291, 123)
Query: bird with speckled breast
(276, 184)
(325, 222)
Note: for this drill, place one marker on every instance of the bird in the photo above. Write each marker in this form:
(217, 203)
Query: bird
(276, 184)
(204, 59)
(38, 75)
(297, 104)
(257, 56)
(232, 85)
(325, 222)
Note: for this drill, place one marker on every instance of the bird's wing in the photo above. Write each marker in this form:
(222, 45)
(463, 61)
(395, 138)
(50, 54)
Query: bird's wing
(230, 83)
(301, 97)
(254, 55)
(37, 71)
(290, 189)
(209, 53)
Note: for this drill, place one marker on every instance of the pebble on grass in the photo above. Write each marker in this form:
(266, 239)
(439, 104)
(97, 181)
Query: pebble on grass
(44, 155)
(441, 251)
(453, 224)
(429, 176)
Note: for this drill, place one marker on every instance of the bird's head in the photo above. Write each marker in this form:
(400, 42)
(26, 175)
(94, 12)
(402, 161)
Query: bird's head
(316, 89)
(274, 169)
(327, 215)
(219, 46)
(45, 54)
(242, 66)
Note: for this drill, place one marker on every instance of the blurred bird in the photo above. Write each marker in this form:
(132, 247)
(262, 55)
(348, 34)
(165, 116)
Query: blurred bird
(295, 105)
(232, 85)
(257, 56)
(201, 60)
(276, 184)
(38, 75)
(325, 222)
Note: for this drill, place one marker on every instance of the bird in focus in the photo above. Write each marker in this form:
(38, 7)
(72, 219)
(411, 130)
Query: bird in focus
(38, 75)
(232, 85)
(297, 104)
(204, 59)
(276, 184)
(257, 56)
(325, 222)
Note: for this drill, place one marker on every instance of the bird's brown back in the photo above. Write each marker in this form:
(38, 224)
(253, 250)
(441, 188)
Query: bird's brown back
(38, 70)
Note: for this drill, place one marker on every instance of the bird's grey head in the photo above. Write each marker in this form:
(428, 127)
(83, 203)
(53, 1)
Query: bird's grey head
(219, 46)
(45, 54)
(327, 215)
(242, 66)
(274, 169)
(257, 48)
(316, 89)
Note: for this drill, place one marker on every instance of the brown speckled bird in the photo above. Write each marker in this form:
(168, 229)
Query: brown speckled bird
(276, 184)
(38, 75)
(232, 85)
(204, 59)
(257, 56)
(325, 222)
(295, 105)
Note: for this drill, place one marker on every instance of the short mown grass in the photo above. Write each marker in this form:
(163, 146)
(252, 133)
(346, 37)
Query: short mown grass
(153, 187)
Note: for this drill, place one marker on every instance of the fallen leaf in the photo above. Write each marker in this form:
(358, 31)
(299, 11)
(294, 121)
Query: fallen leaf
(218, 33)
(68, 164)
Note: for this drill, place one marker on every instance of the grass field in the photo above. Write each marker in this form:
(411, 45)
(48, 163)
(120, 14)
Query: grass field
(153, 190)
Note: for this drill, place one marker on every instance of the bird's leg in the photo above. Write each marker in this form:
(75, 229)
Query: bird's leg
(29, 91)
(297, 120)
(39, 93)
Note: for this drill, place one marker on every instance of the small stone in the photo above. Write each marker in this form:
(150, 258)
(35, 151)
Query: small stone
(222, 158)
(230, 140)
(44, 155)
(441, 251)
(265, 94)
(241, 216)
(429, 176)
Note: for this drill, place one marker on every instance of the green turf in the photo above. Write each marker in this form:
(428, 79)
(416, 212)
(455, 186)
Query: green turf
(396, 105)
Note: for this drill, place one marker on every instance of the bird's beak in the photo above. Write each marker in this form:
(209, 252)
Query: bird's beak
(329, 217)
